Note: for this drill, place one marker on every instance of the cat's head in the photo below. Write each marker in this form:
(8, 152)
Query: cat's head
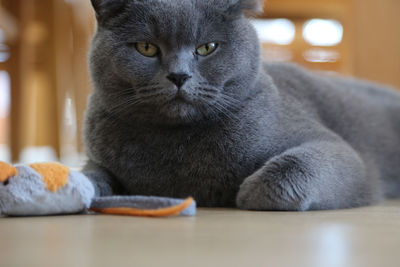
(174, 61)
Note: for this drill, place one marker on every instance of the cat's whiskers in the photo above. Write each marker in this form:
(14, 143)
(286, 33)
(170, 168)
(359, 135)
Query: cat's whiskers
(128, 94)
(123, 100)
(213, 103)
(127, 103)
(219, 100)
(231, 101)
(217, 113)
(149, 90)
(227, 112)
(207, 89)
(141, 87)
(218, 107)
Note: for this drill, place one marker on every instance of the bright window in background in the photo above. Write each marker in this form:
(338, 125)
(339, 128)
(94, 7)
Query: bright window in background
(5, 100)
(323, 32)
(312, 42)
(318, 55)
(276, 36)
(275, 31)
(4, 94)
(4, 50)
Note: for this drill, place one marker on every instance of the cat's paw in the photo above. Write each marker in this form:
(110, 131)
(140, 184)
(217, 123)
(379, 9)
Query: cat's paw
(279, 185)
(43, 189)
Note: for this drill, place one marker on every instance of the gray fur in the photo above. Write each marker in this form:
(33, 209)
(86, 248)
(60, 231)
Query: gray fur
(253, 135)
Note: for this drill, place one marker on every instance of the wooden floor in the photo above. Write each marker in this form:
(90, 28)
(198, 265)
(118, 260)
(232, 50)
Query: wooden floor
(364, 237)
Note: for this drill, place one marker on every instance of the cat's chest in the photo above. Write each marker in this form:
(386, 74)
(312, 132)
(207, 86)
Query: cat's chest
(187, 156)
(209, 166)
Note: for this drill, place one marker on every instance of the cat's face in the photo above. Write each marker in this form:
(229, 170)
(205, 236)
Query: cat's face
(174, 61)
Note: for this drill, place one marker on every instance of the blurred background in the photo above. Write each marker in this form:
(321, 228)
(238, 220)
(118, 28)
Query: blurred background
(44, 79)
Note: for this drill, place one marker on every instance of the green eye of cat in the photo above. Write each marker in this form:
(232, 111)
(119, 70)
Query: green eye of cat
(206, 49)
(147, 49)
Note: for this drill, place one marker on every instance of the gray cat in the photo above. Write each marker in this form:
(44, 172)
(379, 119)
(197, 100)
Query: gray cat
(184, 106)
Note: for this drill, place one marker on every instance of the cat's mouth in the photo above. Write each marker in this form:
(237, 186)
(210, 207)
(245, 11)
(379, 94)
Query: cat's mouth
(180, 98)
(179, 107)
(179, 103)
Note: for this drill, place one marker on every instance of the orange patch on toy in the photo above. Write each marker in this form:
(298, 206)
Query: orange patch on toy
(7, 171)
(163, 212)
(54, 175)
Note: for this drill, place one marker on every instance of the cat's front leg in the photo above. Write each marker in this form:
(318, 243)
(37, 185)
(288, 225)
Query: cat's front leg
(315, 175)
(104, 182)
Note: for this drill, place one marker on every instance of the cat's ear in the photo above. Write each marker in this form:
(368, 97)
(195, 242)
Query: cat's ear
(246, 7)
(106, 9)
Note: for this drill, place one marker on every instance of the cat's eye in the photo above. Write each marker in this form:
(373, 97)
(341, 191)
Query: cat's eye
(147, 49)
(206, 49)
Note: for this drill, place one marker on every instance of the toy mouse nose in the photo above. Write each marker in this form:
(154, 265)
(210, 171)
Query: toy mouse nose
(178, 79)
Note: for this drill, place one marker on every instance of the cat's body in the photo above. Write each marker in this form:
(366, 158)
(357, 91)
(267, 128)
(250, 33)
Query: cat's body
(283, 138)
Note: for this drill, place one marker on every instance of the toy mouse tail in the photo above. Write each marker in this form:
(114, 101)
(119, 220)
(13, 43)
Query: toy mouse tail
(144, 206)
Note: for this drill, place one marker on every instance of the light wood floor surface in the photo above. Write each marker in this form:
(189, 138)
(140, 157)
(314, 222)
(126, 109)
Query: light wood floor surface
(368, 236)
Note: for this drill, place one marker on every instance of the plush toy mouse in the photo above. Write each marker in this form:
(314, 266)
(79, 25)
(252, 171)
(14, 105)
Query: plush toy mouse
(52, 188)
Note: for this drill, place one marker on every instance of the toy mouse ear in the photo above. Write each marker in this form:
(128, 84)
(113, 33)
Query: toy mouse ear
(106, 9)
(247, 7)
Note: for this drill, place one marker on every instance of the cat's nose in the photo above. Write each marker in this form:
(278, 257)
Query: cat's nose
(178, 79)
